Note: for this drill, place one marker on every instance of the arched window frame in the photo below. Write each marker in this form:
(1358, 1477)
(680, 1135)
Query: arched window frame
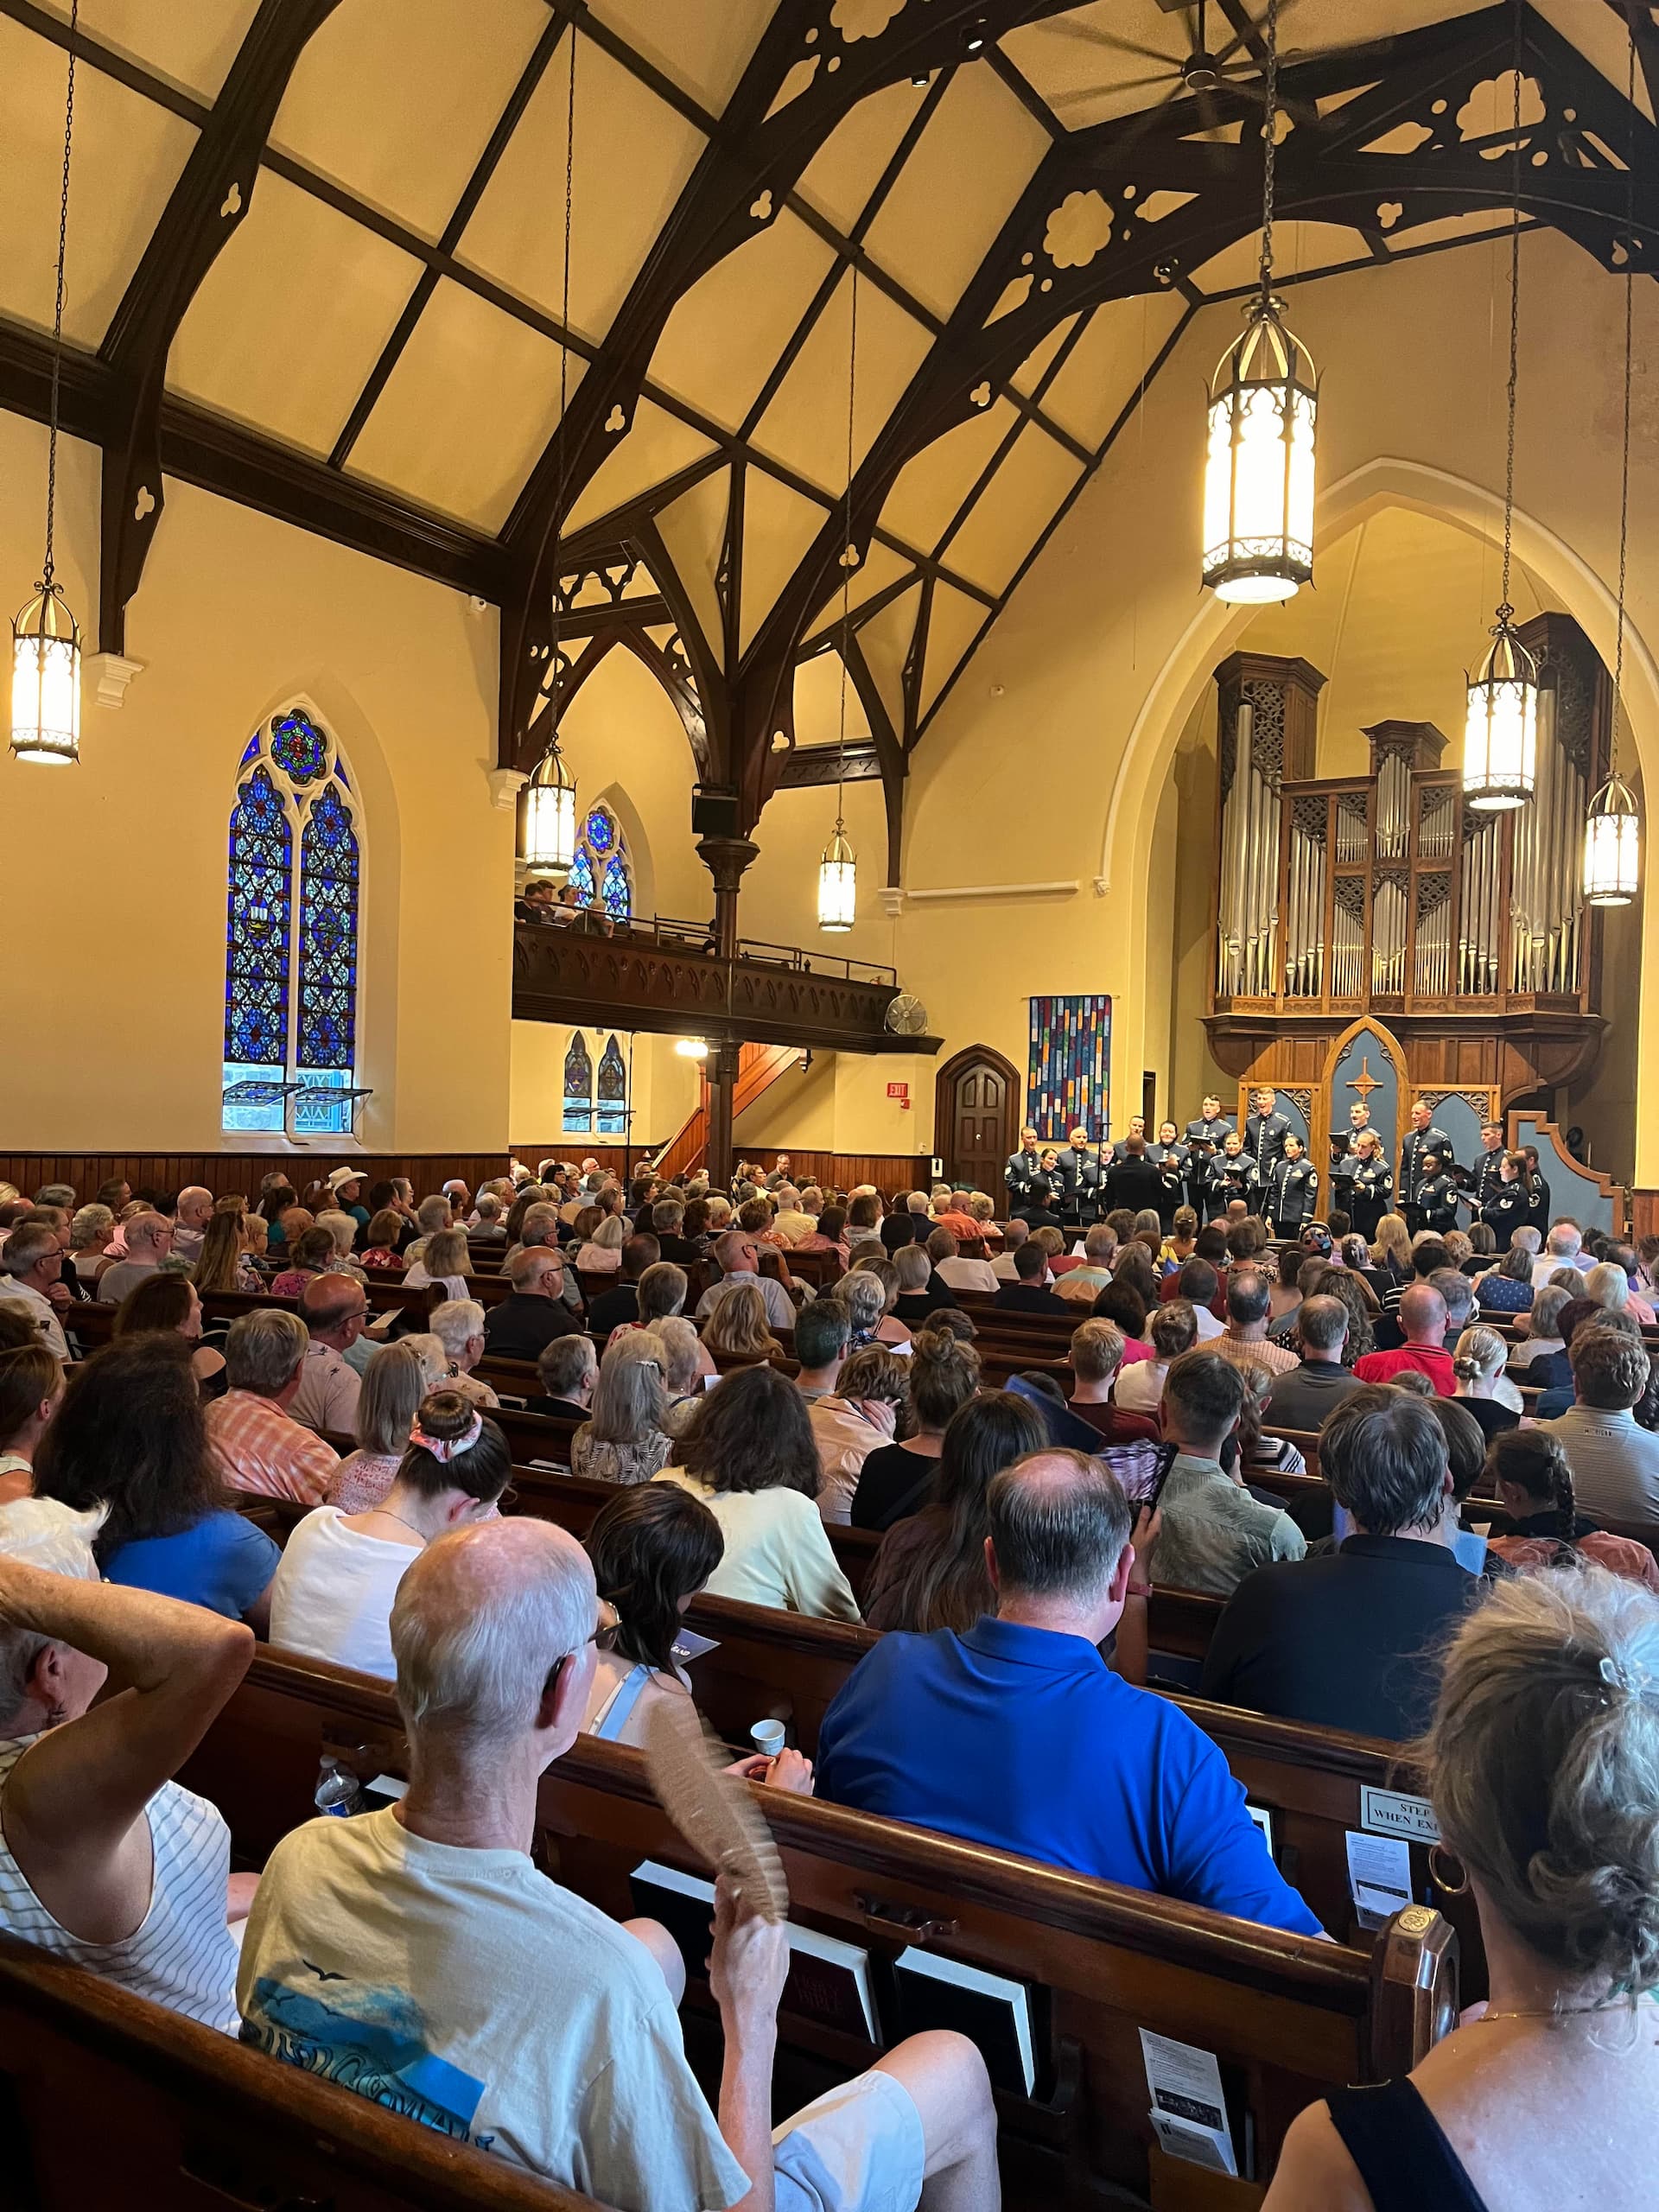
(596, 1095)
(602, 868)
(293, 934)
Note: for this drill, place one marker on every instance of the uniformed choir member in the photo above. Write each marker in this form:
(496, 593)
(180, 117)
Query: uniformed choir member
(1080, 1176)
(1020, 1172)
(1488, 1163)
(1420, 1140)
(1172, 1159)
(1265, 1131)
(1210, 1126)
(1137, 1129)
(1342, 1167)
(1506, 1209)
(1290, 1190)
(1373, 1184)
(1537, 1191)
(1231, 1174)
(1437, 1195)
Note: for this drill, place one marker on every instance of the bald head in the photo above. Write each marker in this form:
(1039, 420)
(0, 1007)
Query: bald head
(736, 1252)
(195, 1207)
(1422, 1315)
(334, 1307)
(1058, 1523)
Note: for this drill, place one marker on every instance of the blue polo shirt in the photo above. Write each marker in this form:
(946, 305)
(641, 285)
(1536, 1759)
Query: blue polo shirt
(1025, 1739)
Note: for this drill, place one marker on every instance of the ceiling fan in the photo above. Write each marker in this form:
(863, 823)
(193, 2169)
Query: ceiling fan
(1233, 64)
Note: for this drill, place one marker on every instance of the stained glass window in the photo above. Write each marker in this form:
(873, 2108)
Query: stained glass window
(601, 831)
(613, 1091)
(581, 875)
(578, 1087)
(600, 871)
(292, 959)
(615, 893)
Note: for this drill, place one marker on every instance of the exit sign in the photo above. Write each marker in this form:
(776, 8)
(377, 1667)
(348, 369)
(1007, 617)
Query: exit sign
(899, 1090)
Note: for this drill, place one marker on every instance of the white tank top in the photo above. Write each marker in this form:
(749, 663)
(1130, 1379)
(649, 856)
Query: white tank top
(184, 1955)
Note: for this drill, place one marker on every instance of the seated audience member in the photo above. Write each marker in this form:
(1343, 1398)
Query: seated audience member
(950, 1730)
(458, 1325)
(791, 1222)
(164, 1304)
(257, 1443)
(90, 1232)
(444, 1259)
(653, 1550)
(533, 1312)
(1173, 1329)
(1260, 1452)
(1030, 1292)
(601, 1253)
(1343, 1284)
(930, 1572)
(312, 1253)
(31, 1390)
(332, 1595)
(105, 1863)
(954, 1269)
(892, 1479)
(738, 1257)
(1085, 1283)
(343, 1229)
(31, 1262)
(1610, 1286)
(748, 1452)
(333, 1308)
(1540, 1525)
(567, 1370)
(822, 1331)
(1540, 1346)
(1614, 1460)
(684, 1364)
(1097, 1360)
(224, 1262)
(1421, 1313)
(1213, 1532)
(1483, 1387)
(1563, 1247)
(1015, 1235)
(398, 1377)
(493, 1638)
(870, 1311)
(1348, 1639)
(489, 1225)
(129, 1442)
(737, 1329)
(1301, 1397)
(1127, 1307)
(623, 1439)
(829, 1235)
(1245, 1337)
(149, 1241)
(1199, 1284)
(859, 1418)
(921, 1292)
(1508, 1289)
(612, 1308)
(1285, 1293)
(1540, 1751)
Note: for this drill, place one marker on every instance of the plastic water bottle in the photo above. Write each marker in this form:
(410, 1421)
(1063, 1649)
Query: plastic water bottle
(337, 1789)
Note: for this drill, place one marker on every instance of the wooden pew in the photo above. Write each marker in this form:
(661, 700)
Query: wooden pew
(113, 2101)
(1288, 2018)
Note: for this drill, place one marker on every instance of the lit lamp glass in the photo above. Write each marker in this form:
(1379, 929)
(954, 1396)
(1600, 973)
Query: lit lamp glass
(1258, 475)
(1500, 742)
(692, 1048)
(837, 883)
(549, 814)
(46, 681)
(1612, 832)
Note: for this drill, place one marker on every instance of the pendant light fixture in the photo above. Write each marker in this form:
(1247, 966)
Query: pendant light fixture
(1612, 829)
(838, 869)
(548, 819)
(46, 637)
(1500, 740)
(1264, 399)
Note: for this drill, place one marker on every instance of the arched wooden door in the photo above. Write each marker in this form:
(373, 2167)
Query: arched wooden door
(976, 1116)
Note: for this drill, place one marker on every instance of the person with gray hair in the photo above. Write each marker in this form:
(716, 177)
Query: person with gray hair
(397, 1379)
(1459, 1295)
(191, 1215)
(458, 1325)
(89, 1233)
(1350, 1639)
(567, 1370)
(1541, 1765)
(1615, 1461)
(737, 1254)
(623, 1439)
(544, 2027)
(104, 1861)
(1542, 1345)
(258, 1445)
(31, 1262)
(1301, 1399)
(149, 1241)
(521, 1324)
(1014, 1233)
(1563, 1247)
(1017, 1734)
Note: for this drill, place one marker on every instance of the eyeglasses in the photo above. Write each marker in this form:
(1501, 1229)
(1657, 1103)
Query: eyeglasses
(605, 1628)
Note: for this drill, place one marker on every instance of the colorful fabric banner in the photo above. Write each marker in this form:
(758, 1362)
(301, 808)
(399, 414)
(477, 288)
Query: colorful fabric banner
(1069, 1080)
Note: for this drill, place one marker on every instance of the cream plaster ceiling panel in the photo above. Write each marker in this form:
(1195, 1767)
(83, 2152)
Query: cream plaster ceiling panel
(466, 413)
(729, 329)
(190, 43)
(1009, 515)
(1103, 371)
(778, 526)
(1479, 223)
(128, 152)
(885, 640)
(818, 705)
(882, 565)
(953, 624)
(931, 490)
(805, 425)
(657, 445)
(380, 83)
(633, 154)
(1084, 63)
(954, 193)
(1298, 250)
(694, 532)
(840, 176)
(704, 45)
(291, 318)
(1032, 370)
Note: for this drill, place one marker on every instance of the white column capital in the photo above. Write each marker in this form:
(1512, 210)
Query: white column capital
(111, 676)
(893, 900)
(505, 784)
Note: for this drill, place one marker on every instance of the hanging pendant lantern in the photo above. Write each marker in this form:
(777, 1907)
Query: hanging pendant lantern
(1258, 477)
(837, 882)
(1612, 839)
(1500, 733)
(45, 680)
(549, 813)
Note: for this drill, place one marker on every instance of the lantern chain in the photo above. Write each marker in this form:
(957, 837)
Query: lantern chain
(554, 674)
(1270, 133)
(57, 313)
(1505, 610)
(846, 553)
(1625, 462)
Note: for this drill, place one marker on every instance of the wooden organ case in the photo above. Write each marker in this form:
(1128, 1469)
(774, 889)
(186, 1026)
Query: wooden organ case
(1384, 899)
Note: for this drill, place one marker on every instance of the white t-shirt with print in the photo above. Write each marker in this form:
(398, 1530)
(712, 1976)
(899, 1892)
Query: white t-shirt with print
(467, 1991)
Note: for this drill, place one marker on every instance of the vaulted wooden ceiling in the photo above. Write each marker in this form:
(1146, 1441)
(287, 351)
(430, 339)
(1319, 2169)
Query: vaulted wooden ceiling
(316, 264)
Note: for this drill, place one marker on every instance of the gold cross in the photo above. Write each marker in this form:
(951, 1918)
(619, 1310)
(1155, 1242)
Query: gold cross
(1365, 1083)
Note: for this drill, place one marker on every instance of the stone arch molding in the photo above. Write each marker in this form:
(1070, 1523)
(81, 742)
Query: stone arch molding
(1387, 481)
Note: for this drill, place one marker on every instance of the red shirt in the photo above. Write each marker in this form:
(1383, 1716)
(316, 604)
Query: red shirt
(1117, 1426)
(1428, 1359)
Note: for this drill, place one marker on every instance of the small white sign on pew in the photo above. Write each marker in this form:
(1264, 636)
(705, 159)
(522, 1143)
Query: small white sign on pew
(1388, 1812)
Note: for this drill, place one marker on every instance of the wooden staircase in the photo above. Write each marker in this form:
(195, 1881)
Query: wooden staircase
(758, 1067)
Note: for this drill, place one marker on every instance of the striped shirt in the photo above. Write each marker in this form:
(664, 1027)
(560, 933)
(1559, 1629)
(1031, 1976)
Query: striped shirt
(260, 1448)
(182, 1956)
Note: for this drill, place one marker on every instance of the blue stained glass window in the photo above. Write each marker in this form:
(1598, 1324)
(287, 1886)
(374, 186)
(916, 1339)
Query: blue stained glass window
(578, 1087)
(258, 925)
(328, 876)
(581, 875)
(613, 1091)
(601, 833)
(616, 894)
(299, 748)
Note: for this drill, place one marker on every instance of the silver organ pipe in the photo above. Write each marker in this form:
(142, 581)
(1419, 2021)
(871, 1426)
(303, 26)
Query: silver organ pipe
(1393, 808)
(1348, 939)
(1479, 952)
(1249, 901)
(1389, 937)
(1432, 954)
(1304, 926)
(1545, 909)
